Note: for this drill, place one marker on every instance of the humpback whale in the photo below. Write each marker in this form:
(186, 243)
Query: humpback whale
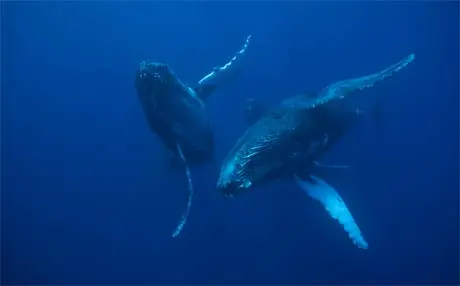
(289, 139)
(177, 113)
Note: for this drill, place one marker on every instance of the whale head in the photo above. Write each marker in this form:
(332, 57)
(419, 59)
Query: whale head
(234, 178)
(156, 78)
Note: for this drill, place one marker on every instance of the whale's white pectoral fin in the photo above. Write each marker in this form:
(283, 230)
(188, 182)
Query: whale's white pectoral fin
(184, 217)
(342, 88)
(335, 206)
(220, 75)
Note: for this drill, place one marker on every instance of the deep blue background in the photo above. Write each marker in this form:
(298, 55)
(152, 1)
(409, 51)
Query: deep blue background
(87, 194)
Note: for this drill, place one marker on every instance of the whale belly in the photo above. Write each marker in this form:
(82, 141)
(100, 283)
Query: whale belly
(180, 117)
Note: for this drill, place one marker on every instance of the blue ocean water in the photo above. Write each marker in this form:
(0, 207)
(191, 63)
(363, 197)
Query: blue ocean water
(88, 196)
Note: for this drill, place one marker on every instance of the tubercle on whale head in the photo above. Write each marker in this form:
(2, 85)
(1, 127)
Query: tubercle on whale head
(232, 181)
(154, 70)
(154, 76)
(230, 189)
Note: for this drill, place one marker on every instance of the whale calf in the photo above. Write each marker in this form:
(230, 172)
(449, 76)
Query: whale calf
(177, 112)
(289, 140)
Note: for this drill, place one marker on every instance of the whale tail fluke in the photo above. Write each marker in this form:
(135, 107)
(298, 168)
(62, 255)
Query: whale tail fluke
(190, 192)
(344, 87)
(334, 205)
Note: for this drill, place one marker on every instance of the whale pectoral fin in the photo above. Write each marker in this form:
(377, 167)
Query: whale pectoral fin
(221, 75)
(254, 110)
(335, 206)
(344, 87)
(190, 191)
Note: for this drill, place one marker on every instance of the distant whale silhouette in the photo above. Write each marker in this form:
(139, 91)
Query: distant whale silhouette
(177, 112)
(289, 139)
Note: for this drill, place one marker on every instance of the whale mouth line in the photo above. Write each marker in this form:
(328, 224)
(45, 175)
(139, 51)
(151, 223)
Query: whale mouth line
(154, 73)
(232, 188)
